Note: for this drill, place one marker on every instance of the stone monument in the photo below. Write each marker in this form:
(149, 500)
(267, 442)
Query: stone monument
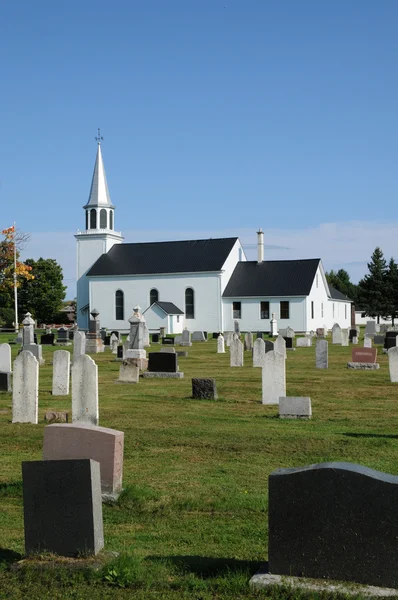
(94, 341)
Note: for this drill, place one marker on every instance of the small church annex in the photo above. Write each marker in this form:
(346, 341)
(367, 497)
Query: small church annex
(198, 284)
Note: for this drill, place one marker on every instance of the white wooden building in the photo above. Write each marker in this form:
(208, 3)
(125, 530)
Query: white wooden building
(198, 284)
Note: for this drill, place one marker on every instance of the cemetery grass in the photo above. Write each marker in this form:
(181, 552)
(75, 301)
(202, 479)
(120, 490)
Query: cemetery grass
(192, 520)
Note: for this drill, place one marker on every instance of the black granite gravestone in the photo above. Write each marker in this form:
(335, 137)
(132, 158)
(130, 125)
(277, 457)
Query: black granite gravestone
(116, 333)
(155, 338)
(107, 340)
(120, 352)
(35, 338)
(215, 335)
(378, 339)
(289, 343)
(334, 521)
(353, 333)
(259, 335)
(204, 389)
(62, 507)
(71, 333)
(168, 340)
(62, 335)
(389, 340)
(5, 382)
(47, 339)
(269, 346)
(162, 362)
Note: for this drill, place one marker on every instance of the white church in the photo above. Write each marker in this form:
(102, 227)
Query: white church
(196, 284)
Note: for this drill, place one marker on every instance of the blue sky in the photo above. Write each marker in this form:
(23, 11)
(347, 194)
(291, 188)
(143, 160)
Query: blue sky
(218, 116)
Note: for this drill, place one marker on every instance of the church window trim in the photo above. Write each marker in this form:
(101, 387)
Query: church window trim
(119, 305)
(189, 303)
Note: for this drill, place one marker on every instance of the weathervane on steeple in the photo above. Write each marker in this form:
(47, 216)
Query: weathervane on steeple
(99, 138)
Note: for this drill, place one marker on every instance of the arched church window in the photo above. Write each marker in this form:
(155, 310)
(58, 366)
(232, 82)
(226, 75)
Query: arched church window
(189, 303)
(93, 219)
(119, 305)
(86, 220)
(111, 219)
(153, 296)
(103, 218)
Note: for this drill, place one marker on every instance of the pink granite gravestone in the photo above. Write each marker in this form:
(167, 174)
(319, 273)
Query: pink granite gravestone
(72, 441)
(364, 355)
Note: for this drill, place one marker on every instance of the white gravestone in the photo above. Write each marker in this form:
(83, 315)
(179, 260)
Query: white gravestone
(136, 341)
(393, 363)
(295, 407)
(147, 342)
(228, 338)
(367, 342)
(220, 344)
(129, 373)
(345, 340)
(303, 342)
(5, 358)
(258, 352)
(28, 332)
(79, 344)
(249, 341)
(321, 354)
(186, 338)
(236, 328)
(236, 353)
(280, 345)
(85, 391)
(114, 342)
(336, 334)
(274, 325)
(290, 332)
(61, 372)
(25, 393)
(273, 378)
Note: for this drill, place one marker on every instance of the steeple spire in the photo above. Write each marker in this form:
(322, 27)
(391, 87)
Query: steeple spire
(99, 193)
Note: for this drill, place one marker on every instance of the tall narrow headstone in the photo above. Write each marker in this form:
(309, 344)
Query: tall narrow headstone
(367, 342)
(336, 334)
(393, 364)
(321, 354)
(114, 342)
(249, 341)
(61, 373)
(228, 338)
(236, 353)
(280, 346)
(370, 327)
(344, 337)
(274, 325)
(186, 338)
(147, 342)
(85, 390)
(273, 378)
(5, 358)
(79, 344)
(258, 352)
(236, 328)
(28, 333)
(136, 341)
(25, 394)
(220, 344)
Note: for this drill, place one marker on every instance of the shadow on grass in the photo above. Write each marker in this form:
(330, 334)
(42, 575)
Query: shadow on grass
(11, 489)
(372, 435)
(206, 567)
(9, 556)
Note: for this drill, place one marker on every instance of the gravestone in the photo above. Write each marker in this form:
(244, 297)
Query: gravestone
(280, 346)
(290, 332)
(137, 334)
(103, 334)
(353, 334)
(155, 338)
(79, 345)
(370, 327)
(344, 337)
(236, 328)
(390, 340)
(47, 339)
(303, 342)
(107, 341)
(120, 353)
(114, 342)
(320, 332)
(291, 407)
(273, 378)
(220, 344)
(5, 358)
(289, 343)
(215, 335)
(198, 336)
(249, 341)
(170, 341)
(321, 354)
(85, 391)
(94, 342)
(5, 382)
(53, 416)
(364, 355)
(367, 342)
(167, 349)
(228, 338)
(378, 339)
(258, 352)
(163, 365)
(106, 446)
(274, 325)
(334, 521)
(204, 389)
(62, 336)
(336, 334)
(259, 334)
(186, 338)
(25, 393)
(178, 339)
(62, 507)
(28, 332)
(61, 373)
(128, 373)
(283, 333)
(236, 353)
(269, 346)
(393, 364)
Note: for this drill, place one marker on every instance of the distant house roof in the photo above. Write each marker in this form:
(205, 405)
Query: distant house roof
(337, 295)
(164, 257)
(168, 307)
(272, 278)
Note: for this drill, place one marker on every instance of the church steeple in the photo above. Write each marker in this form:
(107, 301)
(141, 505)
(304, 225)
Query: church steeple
(99, 208)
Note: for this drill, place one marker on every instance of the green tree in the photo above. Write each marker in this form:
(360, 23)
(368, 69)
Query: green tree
(373, 287)
(391, 308)
(341, 281)
(43, 295)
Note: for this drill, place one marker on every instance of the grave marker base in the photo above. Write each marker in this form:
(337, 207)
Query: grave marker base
(359, 366)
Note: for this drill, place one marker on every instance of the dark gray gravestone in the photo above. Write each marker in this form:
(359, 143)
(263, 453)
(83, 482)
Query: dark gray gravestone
(289, 343)
(47, 339)
(335, 521)
(168, 340)
(107, 340)
(5, 382)
(62, 506)
(120, 352)
(259, 335)
(269, 346)
(390, 342)
(62, 335)
(353, 333)
(204, 389)
(162, 362)
(215, 335)
(71, 333)
(35, 338)
(155, 338)
(378, 339)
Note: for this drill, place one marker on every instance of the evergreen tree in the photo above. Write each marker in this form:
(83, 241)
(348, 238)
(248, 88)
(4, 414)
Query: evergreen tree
(373, 287)
(391, 309)
(341, 281)
(43, 295)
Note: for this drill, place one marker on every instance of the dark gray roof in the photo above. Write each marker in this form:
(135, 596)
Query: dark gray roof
(272, 278)
(337, 295)
(169, 308)
(164, 257)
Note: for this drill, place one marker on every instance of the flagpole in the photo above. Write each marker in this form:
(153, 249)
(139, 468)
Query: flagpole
(15, 284)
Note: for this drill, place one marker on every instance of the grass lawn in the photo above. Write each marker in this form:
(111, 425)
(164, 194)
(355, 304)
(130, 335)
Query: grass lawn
(192, 521)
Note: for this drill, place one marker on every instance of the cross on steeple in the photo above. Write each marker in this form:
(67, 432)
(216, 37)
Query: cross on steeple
(99, 138)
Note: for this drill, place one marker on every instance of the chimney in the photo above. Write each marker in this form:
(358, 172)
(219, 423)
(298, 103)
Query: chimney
(260, 246)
